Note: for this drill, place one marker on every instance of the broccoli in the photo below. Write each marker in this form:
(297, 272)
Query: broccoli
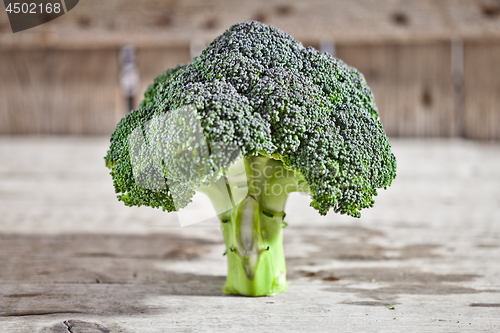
(276, 117)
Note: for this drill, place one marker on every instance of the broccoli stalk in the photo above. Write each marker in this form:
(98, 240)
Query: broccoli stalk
(253, 228)
(301, 120)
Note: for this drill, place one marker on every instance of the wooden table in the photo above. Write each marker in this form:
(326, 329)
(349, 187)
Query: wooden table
(74, 259)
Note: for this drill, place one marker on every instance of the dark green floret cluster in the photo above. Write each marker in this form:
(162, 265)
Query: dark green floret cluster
(259, 90)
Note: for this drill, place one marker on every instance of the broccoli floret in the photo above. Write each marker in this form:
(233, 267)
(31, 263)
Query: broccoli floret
(299, 119)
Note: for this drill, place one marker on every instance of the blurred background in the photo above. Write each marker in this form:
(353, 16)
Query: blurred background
(433, 65)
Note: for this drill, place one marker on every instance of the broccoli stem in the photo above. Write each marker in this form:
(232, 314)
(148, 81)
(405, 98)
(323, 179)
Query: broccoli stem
(253, 230)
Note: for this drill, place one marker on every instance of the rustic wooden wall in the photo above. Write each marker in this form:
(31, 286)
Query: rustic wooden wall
(412, 85)
(70, 91)
(482, 90)
(63, 77)
(59, 92)
(77, 92)
(153, 23)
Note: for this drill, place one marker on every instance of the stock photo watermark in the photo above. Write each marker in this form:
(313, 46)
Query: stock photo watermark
(216, 171)
(28, 14)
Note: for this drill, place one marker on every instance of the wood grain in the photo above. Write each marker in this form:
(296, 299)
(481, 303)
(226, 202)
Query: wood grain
(49, 91)
(482, 90)
(62, 77)
(72, 256)
(412, 85)
(70, 91)
(96, 23)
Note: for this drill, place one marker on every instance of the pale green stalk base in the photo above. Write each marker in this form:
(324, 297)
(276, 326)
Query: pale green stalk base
(253, 229)
(256, 266)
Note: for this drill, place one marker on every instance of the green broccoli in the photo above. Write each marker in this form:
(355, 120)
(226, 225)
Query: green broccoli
(281, 117)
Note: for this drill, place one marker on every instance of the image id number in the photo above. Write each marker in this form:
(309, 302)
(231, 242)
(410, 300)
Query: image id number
(33, 8)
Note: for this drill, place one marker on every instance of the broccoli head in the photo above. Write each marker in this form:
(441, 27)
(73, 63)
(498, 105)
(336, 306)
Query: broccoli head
(295, 118)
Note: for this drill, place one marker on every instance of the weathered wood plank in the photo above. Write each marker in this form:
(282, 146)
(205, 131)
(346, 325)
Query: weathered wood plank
(95, 23)
(412, 85)
(67, 92)
(482, 90)
(76, 326)
(71, 92)
(59, 92)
